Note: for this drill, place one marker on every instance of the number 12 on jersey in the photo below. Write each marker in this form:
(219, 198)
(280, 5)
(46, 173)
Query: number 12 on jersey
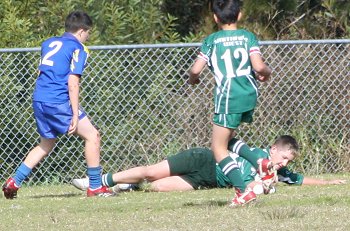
(239, 54)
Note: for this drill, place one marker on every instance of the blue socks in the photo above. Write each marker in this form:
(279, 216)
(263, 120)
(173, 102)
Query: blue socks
(94, 175)
(21, 174)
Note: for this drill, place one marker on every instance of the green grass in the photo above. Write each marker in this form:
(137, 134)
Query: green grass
(290, 208)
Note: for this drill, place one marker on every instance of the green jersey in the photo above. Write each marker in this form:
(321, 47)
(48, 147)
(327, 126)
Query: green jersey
(227, 53)
(249, 173)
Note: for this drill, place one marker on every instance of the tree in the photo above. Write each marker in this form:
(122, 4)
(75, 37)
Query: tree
(116, 22)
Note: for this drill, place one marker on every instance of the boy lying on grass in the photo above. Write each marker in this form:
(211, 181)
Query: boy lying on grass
(196, 168)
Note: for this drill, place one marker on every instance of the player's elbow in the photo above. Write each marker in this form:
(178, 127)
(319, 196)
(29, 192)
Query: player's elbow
(150, 174)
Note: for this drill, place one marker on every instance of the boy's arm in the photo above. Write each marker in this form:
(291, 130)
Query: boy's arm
(195, 71)
(263, 71)
(314, 181)
(73, 89)
(289, 177)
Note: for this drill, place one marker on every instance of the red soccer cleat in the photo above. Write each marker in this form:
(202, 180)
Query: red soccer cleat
(100, 192)
(10, 189)
(243, 198)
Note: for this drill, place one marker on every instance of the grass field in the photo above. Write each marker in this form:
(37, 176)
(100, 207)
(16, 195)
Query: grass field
(290, 208)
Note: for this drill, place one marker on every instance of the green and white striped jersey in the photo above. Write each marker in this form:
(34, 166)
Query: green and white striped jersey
(227, 53)
(249, 173)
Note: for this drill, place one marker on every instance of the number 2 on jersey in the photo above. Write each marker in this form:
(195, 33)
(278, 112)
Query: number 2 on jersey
(56, 45)
(238, 53)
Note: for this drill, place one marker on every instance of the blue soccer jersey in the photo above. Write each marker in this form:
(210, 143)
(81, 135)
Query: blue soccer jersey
(60, 57)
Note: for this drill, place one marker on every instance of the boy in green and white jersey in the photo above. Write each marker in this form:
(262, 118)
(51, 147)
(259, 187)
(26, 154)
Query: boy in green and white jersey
(281, 152)
(234, 57)
(196, 168)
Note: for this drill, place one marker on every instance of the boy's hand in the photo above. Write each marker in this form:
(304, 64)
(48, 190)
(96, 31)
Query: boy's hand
(261, 78)
(73, 125)
(193, 81)
(337, 182)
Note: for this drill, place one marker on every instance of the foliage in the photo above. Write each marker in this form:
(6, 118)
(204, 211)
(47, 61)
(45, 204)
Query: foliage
(116, 22)
(298, 19)
(28, 23)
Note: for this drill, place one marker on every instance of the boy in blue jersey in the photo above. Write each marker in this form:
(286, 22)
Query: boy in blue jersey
(56, 104)
(235, 60)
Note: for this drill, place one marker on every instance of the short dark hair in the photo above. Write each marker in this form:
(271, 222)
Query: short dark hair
(286, 140)
(227, 11)
(77, 20)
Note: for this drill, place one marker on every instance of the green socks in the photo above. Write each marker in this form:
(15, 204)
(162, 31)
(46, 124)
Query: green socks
(231, 169)
(107, 180)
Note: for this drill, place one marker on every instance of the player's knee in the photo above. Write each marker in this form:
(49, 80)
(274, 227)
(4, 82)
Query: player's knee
(94, 136)
(158, 187)
(97, 136)
(150, 174)
(46, 147)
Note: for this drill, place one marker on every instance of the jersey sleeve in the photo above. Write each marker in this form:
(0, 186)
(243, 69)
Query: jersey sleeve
(205, 50)
(79, 59)
(253, 45)
(289, 177)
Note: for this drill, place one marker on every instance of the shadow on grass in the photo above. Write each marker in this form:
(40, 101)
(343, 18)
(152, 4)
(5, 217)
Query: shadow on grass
(207, 204)
(67, 195)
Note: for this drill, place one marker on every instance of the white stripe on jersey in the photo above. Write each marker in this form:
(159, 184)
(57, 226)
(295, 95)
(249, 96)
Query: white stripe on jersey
(218, 75)
(220, 98)
(228, 95)
(251, 79)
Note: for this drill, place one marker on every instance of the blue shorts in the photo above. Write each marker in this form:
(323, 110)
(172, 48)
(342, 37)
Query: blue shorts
(53, 119)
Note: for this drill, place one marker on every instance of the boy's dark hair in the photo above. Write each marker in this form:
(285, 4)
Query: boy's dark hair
(77, 20)
(286, 140)
(227, 11)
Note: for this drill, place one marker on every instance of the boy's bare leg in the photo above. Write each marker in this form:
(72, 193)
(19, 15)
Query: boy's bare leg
(39, 152)
(219, 142)
(92, 142)
(92, 155)
(171, 183)
(220, 138)
(141, 173)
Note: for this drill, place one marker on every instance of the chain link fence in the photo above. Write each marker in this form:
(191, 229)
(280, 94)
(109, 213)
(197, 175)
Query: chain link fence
(138, 98)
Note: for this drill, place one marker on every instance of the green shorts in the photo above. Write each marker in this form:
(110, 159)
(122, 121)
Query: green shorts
(233, 120)
(196, 166)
